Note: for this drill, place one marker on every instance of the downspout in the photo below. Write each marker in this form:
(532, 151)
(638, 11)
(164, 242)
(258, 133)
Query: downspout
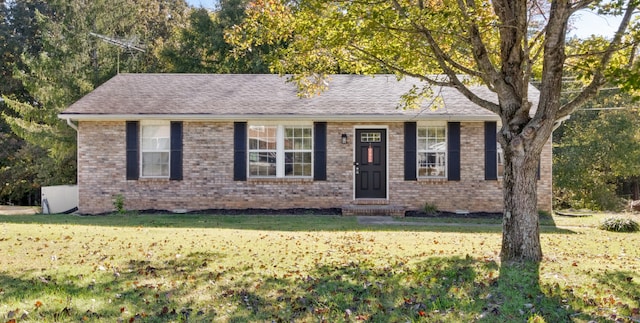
(72, 125)
(75, 127)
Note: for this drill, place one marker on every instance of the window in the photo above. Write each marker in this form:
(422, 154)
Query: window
(156, 148)
(432, 151)
(280, 151)
(262, 150)
(297, 151)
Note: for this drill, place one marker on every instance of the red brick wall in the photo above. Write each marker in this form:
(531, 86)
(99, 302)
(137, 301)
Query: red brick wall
(208, 174)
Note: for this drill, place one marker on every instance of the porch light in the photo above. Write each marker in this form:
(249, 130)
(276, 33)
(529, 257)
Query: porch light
(344, 138)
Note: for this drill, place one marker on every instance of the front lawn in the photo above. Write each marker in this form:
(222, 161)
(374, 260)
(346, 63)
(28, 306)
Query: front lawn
(159, 268)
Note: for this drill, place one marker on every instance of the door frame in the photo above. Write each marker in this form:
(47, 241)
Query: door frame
(354, 144)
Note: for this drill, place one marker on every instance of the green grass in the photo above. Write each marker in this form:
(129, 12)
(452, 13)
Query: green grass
(159, 268)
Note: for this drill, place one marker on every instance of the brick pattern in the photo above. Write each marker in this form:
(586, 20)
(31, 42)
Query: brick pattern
(208, 174)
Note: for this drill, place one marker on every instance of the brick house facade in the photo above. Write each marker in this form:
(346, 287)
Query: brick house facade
(196, 142)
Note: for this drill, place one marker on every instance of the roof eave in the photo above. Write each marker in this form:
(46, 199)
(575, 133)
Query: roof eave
(275, 117)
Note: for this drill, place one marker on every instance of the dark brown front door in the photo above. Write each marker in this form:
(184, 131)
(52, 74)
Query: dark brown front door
(371, 163)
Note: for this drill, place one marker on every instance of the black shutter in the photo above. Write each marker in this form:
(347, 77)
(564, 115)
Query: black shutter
(239, 151)
(175, 170)
(320, 151)
(133, 170)
(490, 151)
(453, 147)
(410, 146)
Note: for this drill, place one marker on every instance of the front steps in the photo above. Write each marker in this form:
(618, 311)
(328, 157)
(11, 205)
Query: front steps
(373, 207)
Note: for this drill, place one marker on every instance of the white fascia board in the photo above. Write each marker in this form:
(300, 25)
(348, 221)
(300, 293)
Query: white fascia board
(280, 117)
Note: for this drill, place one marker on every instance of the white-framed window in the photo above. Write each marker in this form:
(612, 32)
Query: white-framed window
(262, 151)
(432, 150)
(280, 150)
(155, 139)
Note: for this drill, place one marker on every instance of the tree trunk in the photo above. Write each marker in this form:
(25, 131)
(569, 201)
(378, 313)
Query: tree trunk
(520, 227)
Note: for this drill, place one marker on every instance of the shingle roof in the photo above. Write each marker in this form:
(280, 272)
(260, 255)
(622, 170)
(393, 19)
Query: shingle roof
(251, 96)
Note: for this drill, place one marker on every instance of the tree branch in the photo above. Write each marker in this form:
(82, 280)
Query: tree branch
(579, 5)
(491, 76)
(598, 78)
(453, 81)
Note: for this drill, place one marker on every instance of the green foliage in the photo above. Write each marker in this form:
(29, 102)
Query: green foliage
(118, 203)
(619, 224)
(50, 60)
(200, 46)
(430, 208)
(595, 152)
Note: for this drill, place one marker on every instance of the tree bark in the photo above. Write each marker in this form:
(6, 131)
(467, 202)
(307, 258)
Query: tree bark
(520, 225)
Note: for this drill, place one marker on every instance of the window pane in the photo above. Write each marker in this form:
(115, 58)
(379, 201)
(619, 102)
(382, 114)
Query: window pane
(253, 143)
(155, 164)
(155, 131)
(370, 137)
(262, 164)
(288, 143)
(156, 137)
(307, 144)
(297, 164)
(262, 137)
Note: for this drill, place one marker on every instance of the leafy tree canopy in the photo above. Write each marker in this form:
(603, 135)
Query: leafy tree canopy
(51, 60)
(200, 46)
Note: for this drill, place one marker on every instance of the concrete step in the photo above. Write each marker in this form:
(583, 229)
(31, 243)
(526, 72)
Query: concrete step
(370, 202)
(373, 210)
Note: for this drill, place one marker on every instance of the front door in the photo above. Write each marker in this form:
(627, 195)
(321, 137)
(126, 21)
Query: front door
(371, 163)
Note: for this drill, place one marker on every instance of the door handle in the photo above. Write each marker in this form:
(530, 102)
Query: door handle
(357, 170)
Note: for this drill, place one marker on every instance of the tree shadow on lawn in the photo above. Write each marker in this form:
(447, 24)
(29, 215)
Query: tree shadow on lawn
(436, 289)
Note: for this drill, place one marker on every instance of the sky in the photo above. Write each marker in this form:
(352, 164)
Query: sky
(586, 23)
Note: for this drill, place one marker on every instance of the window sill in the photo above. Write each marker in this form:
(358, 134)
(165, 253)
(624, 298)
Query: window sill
(152, 179)
(267, 180)
(432, 179)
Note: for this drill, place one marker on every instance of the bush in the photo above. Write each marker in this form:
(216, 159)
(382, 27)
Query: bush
(118, 203)
(620, 225)
(430, 208)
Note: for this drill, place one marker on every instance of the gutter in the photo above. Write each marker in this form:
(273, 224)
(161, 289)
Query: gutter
(274, 117)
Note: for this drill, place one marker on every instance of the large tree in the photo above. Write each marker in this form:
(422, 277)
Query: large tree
(200, 46)
(496, 43)
(51, 59)
(599, 151)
